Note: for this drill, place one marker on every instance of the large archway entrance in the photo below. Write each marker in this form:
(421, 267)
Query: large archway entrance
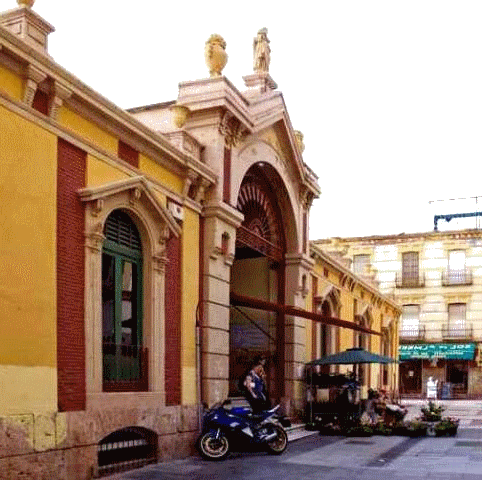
(259, 271)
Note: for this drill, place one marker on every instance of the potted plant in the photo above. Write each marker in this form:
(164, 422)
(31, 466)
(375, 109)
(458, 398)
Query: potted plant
(432, 412)
(446, 427)
(361, 430)
(416, 428)
(382, 429)
(400, 428)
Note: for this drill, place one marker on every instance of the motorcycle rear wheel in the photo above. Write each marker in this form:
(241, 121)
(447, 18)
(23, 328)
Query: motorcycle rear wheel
(278, 445)
(212, 448)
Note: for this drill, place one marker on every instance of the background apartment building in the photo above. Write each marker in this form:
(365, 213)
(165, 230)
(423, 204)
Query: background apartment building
(436, 277)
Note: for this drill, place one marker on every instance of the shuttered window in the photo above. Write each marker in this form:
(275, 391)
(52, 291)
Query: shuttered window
(457, 315)
(410, 320)
(361, 264)
(124, 358)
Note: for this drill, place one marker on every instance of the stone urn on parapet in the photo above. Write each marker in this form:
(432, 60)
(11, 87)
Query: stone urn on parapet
(26, 3)
(215, 54)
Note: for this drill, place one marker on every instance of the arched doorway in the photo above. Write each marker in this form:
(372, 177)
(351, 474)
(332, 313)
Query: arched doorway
(259, 271)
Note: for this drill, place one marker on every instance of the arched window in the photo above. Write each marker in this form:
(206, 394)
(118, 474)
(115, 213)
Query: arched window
(123, 356)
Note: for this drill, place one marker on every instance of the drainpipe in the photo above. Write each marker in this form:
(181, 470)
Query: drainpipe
(199, 366)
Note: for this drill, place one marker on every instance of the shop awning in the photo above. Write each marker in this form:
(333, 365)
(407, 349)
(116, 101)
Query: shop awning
(352, 356)
(251, 302)
(430, 351)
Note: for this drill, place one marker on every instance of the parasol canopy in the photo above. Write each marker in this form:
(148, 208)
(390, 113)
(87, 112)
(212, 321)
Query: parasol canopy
(352, 356)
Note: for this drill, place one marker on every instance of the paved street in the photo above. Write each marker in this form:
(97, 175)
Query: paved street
(341, 458)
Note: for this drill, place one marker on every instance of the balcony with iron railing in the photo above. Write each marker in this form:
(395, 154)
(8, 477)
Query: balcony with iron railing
(457, 277)
(409, 281)
(412, 334)
(458, 332)
(124, 368)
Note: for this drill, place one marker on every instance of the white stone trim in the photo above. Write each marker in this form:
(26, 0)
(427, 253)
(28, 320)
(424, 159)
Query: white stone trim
(155, 224)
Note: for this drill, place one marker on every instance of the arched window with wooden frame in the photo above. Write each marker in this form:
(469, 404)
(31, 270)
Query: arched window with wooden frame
(124, 358)
(127, 232)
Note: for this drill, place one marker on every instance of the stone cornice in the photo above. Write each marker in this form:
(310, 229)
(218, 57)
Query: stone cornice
(212, 93)
(21, 108)
(223, 211)
(318, 253)
(93, 101)
(403, 238)
(299, 259)
(253, 114)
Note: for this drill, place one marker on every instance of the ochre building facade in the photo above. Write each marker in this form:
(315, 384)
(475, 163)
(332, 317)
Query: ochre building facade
(338, 292)
(436, 277)
(133, 244)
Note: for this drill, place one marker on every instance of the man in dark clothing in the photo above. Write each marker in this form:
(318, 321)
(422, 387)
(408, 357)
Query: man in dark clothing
(255, 389)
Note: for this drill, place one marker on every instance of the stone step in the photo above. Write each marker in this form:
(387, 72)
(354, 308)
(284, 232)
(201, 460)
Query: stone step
(297, 431)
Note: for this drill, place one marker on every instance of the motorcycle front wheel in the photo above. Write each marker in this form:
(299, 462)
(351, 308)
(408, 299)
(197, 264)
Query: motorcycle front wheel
(278, 445)
(212, 448)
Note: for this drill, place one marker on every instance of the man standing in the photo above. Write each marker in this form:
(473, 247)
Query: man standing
(256, 392)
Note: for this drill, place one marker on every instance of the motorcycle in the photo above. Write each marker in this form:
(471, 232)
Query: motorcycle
(224, 429)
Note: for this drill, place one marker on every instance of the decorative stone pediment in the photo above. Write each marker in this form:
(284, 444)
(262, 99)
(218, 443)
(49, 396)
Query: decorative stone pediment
(413, 299)
(363, 309)
(132, 191)
(329, 291)
(457, 297)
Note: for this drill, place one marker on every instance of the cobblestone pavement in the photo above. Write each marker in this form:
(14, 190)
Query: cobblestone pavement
(339, 458)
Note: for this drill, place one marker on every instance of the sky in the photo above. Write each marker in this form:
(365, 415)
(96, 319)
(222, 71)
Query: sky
(388, 94)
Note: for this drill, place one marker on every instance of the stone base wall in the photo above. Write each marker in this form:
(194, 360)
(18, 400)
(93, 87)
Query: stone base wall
(63, 446)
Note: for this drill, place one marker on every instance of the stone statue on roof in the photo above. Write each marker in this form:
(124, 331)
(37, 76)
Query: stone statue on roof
(261, 52)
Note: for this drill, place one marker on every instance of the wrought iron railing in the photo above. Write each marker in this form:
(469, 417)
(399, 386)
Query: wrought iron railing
(413, 333)
(409, 281)
(250, 239)
(457, 332)
(457, 277)
(124, 367)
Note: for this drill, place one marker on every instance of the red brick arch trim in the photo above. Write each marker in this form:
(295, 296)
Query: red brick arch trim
(261, 227)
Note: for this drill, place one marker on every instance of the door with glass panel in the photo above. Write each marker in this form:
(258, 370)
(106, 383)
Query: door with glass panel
(123, 355)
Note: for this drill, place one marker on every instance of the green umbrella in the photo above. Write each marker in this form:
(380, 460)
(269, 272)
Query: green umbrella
(352, 356)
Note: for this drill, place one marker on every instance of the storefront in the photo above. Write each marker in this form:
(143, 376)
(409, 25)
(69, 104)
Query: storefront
(452, 365)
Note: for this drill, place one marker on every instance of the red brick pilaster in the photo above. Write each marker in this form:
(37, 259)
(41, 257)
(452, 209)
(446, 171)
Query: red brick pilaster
(173, 322)
(70, 278)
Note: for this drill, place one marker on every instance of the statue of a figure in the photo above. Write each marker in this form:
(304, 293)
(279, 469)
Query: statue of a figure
(261, 52)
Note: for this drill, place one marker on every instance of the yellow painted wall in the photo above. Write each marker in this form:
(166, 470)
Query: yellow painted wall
(28, 157)
(165, 177)
(10, 83)
(100, 172)
(347, 297)
(87, 130)
(190, 297)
